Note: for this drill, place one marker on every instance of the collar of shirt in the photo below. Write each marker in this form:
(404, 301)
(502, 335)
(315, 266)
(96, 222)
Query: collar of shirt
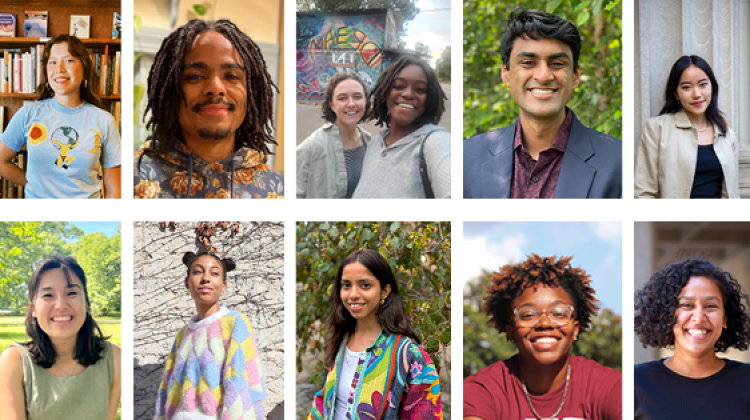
(561, 139)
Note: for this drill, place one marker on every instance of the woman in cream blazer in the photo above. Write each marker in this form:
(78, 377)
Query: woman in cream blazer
(688, 151)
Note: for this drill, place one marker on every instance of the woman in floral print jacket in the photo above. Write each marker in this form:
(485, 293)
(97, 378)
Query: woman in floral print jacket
(379, 370)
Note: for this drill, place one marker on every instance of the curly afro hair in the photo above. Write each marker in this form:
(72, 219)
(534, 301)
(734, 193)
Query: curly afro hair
(512, 280)
(656, 303)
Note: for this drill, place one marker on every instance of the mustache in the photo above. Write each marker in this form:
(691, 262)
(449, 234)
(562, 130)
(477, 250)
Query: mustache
(230, 105)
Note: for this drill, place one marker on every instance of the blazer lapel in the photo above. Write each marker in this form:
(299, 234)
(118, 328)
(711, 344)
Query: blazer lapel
(497, 168)
(576, 176)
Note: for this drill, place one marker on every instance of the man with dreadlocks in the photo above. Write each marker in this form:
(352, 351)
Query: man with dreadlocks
(542, 305)
(211, 100)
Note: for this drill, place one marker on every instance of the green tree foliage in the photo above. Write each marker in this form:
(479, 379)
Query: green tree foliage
(484, 345)
(408, 7)
(598, 100)
(419, 254)
(443, 65)
(422, 48)
(23, 244)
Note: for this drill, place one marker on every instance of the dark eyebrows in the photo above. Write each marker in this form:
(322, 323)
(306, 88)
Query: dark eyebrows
(561, 54)
(203, 66)
(70, 285)
(686, 82)
(691, 298)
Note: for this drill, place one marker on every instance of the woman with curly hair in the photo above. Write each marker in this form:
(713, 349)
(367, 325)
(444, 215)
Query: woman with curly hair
(698, 309)
(542, 305)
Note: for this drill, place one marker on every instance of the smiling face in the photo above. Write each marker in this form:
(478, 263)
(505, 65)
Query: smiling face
(213, 80)
(348, 103)
(205, 281)
(407, 97)
(64, 71)
(545, 343)
(59, 307)
(699, 316)
(541, 77)
(694, 91)
(361, 292)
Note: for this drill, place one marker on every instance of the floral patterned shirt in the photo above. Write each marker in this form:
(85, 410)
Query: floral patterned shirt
(170, 175)
(394, 379)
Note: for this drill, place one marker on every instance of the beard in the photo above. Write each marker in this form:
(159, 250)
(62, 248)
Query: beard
(214, 134)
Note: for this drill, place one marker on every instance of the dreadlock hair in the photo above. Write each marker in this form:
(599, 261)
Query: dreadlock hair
(165, 88)
(511, 281)
(434, 105)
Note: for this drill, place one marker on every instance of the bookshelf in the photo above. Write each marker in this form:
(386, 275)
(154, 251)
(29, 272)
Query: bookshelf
(59, 13)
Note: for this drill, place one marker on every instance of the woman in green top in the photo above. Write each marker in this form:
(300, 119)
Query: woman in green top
(67, 370)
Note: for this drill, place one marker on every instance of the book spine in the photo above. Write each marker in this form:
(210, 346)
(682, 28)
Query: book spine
(116, 81)
(103, 72)
(16, 73)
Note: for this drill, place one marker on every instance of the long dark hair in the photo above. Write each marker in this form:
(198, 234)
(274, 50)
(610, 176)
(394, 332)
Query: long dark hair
(76, 48)
(90, 340)
(672, 105)
(391, 313)
(165, 92)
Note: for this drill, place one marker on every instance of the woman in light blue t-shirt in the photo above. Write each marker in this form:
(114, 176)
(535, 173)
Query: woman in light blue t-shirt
(67, 136)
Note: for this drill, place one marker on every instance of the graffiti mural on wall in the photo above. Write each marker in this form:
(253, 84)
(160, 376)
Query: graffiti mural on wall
(330, 44)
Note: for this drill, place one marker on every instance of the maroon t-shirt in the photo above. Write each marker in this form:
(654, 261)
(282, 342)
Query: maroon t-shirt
(495, 393)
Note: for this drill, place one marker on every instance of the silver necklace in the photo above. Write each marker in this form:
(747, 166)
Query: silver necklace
(562, 403)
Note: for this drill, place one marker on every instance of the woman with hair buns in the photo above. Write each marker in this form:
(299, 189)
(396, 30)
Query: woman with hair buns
(213, 370)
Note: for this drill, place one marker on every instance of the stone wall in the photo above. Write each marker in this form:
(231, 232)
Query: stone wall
(162, 305)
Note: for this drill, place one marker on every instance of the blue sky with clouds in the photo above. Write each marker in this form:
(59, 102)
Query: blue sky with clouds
(596, 247)
(432, 28)
(108, 228)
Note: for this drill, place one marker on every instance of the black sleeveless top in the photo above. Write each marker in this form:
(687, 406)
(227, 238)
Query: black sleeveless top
(708, 174)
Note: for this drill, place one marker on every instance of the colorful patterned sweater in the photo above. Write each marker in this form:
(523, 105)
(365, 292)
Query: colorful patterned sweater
(213, 372)
(394, 379)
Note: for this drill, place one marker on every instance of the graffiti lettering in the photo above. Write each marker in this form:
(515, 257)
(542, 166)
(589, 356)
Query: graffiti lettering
(345, 37)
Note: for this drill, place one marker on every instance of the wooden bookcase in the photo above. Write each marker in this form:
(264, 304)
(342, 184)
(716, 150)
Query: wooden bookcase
(59, 12)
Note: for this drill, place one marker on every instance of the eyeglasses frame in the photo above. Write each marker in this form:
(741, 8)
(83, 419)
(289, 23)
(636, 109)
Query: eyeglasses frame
(543, 312)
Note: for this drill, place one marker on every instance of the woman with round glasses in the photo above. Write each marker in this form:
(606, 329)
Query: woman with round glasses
(542, 305)
(698, 309)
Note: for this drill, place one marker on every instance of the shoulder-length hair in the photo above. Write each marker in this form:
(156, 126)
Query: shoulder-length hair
(672, 105)
(434, 105)
(88, 88)
(90, 341)
(657, 302)
(391, 313)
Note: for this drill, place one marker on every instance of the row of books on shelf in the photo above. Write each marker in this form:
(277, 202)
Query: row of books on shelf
(35, 25)
(21, 70)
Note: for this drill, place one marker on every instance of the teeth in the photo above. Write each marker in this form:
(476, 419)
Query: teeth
(352, 113)
(62, 318)
(697, 332)
(543, 91)
(355, 305)
(546, 340)
(407, 106)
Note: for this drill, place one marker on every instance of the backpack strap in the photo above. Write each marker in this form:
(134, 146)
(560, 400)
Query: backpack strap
(423, 169)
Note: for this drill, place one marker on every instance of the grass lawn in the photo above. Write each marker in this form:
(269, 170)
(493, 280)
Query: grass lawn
(12, 330)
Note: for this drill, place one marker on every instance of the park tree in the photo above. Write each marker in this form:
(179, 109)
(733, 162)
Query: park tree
(99, 256)
(422, 48)
(443, 65)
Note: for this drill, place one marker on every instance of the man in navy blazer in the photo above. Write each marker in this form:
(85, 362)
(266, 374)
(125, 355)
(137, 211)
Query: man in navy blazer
(591, 165)
(547, 152)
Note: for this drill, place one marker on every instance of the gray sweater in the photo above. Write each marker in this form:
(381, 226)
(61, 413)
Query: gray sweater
(393, 172)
